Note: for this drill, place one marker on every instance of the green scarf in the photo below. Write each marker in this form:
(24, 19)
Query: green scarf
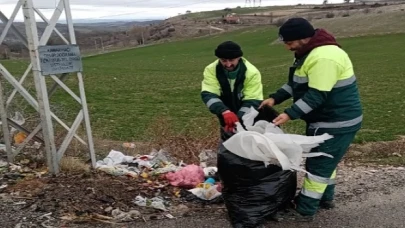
(231, 75)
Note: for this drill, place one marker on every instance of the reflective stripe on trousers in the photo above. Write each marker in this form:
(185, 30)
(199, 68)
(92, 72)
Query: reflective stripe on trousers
(314, 186)
(339, 124)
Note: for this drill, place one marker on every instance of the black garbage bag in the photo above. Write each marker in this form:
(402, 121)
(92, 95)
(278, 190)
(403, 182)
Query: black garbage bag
(266, 113)
(251, 191)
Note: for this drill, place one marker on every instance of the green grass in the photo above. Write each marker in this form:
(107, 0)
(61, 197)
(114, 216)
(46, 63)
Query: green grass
(127, 91)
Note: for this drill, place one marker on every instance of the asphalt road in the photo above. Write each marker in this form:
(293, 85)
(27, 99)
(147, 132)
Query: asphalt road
(378, 210)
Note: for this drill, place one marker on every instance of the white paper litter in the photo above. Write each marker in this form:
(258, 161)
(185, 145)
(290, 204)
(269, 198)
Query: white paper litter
(170, 168)
(155, 202)
(210, 171)
(118, 164)
(206, 193)
(19, 119)
(113, 164)
(266, 142)
(3, 163)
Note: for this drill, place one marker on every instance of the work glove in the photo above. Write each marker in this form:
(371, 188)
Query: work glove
(230, 119)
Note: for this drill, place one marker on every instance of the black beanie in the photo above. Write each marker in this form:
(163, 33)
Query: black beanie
(228, 50)
(296, 29)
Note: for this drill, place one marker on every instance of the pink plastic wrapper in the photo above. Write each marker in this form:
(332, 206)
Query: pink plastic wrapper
(187, 177)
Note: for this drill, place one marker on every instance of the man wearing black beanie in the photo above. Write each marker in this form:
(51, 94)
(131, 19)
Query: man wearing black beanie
(231, 86)
(324, 89)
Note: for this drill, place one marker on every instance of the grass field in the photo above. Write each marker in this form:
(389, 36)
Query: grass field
(128, 91)
(390, 22)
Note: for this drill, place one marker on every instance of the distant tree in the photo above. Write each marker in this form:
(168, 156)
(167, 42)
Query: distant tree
(346, 1)
(325, 2)
(5, 55)
(347, 14)
(4, 50)
(227, 9)
(188, 11)
(280, 22)
(55, 41)
(140, 34)
(330, 15)
(366, 10)
(16, 47)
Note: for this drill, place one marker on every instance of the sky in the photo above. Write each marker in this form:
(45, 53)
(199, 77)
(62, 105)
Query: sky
(141, 9)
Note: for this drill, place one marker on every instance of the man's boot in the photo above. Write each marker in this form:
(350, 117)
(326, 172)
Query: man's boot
(327, 205)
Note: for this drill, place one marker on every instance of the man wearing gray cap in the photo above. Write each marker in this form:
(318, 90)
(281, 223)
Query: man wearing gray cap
(231, 85)
(324, 89)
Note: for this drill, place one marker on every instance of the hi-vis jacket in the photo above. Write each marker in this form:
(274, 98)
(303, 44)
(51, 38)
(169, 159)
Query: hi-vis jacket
(219, 93)
(324, 90)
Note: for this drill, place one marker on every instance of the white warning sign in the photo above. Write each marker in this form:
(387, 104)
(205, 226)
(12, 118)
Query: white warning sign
(59, 59)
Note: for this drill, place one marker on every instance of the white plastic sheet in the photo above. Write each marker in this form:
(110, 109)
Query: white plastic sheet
(115, 158)
(266, 142)
(19, 119)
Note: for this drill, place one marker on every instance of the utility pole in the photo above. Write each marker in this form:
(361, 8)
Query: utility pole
(101, 43)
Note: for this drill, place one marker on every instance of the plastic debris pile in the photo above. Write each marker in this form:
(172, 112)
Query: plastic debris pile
(200, 180)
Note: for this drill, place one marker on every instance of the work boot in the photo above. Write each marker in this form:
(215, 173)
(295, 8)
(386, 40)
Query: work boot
(293, 215)
(329, 204)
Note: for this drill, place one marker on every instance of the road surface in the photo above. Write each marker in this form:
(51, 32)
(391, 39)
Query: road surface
(377, 210)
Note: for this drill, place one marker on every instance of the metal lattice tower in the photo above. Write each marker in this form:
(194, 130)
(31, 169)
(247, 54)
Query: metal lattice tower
(254, 2)
(41, 57)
